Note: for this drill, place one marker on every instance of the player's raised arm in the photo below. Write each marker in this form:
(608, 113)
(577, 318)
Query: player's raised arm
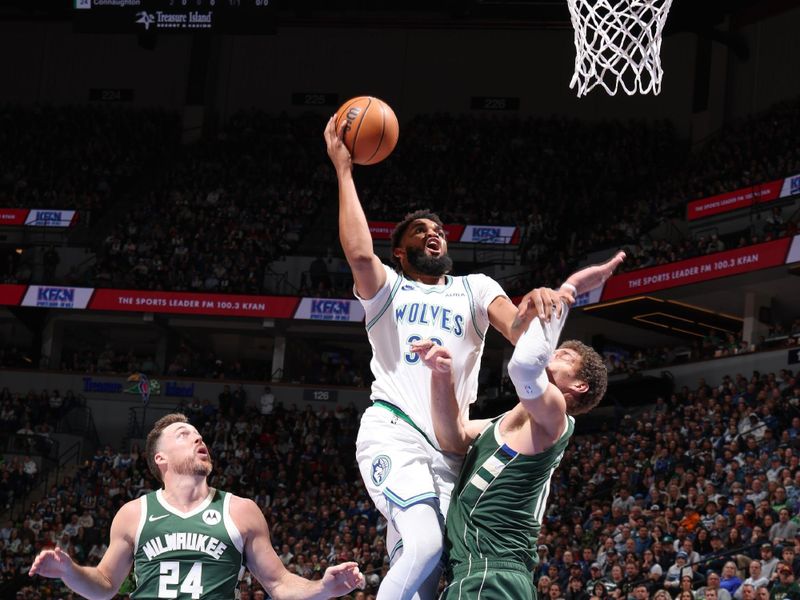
(102, 581)
(453, 432)
(263, 562)
(528, 372)
(578, 283)
(368, 272)
(542, 302)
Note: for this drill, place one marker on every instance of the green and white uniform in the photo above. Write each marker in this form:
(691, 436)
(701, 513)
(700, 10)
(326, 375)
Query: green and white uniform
(196, 555)
(496, 515)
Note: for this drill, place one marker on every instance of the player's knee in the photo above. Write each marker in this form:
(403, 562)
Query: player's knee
(427, 548)
(432, 552)
(422, 533)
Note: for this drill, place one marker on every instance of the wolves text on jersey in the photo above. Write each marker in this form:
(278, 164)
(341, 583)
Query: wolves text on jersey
(433, 315)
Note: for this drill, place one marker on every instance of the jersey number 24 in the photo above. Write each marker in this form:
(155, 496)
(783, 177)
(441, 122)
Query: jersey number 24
(170, 575)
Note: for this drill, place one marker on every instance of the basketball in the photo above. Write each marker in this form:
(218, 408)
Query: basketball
(372, 129)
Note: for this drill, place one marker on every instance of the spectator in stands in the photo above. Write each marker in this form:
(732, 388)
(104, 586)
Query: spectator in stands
(712, 589)
(729, 580)
(785, 587)
(293, 473)
(267, 401)
(769, 562)
(784, 531)
(677, 571)
(754, 581)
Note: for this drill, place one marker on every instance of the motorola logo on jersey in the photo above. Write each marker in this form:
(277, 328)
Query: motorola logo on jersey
(432, 315)
(211, 517)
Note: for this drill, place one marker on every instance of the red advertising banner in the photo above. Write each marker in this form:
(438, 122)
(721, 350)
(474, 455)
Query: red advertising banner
(11, 294)
(12, 216)
(382, 230)
(685, 272)
(694, 270)
(228, 305)
(38, 217)
(729, 201)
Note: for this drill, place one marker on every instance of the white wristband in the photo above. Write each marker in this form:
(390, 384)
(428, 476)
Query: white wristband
(570, 288)
(530, 383)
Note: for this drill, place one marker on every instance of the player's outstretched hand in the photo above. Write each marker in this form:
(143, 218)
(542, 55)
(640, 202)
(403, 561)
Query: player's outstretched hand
(593, 277)
(341, 579)
(54, 564)
(436, 357)
(543, 303)
(337, 151)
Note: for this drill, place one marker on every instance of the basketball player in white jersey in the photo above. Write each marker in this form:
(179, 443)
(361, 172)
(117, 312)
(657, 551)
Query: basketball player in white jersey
(407, 475)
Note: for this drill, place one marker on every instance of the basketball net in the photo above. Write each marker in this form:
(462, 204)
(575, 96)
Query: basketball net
(618, 45)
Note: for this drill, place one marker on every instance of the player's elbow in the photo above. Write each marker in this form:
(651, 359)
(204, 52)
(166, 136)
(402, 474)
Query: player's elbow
(107, 588)
(512, 334)
(359, 258)
(459, 446)
(519, 370)
(359, 255)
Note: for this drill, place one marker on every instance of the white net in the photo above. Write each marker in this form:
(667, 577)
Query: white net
(618, 45)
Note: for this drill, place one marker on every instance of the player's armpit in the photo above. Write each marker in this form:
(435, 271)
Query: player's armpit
(474, 427)
(368, 276)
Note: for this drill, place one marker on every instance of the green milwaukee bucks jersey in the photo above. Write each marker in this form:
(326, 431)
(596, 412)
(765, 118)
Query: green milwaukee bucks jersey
(194, 555)
(499, 500)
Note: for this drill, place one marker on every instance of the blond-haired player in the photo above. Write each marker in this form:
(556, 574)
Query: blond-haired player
(187, 540)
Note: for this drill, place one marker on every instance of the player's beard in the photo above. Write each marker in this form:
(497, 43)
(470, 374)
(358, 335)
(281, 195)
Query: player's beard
(194, 466)
(429, 265)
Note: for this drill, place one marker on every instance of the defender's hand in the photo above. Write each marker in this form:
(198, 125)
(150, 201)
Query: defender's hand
(543, 303)
(437, 358)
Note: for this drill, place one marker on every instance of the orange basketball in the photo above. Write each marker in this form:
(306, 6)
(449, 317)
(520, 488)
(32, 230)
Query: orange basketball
(372, 129)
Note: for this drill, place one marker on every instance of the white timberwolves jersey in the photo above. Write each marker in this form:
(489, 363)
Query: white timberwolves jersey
(454, 314)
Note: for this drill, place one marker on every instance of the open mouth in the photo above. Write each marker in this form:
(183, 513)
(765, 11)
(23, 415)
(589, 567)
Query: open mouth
(433, 246)
(202, 451)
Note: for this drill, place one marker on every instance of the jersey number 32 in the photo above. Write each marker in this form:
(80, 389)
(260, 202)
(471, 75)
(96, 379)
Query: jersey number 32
(412, 358)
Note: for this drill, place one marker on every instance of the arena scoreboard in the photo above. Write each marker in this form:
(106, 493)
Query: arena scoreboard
(173, 16)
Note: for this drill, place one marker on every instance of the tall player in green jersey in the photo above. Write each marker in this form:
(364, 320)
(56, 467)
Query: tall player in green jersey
(499, 500)
(189, 541)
